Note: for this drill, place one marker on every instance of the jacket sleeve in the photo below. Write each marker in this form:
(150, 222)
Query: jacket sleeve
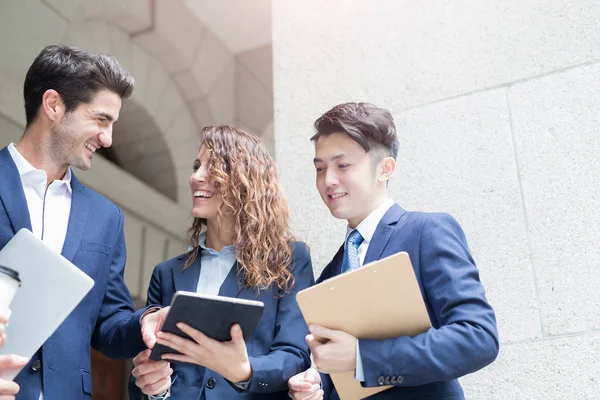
(154, 297)
(118, 331)
(289, 353)
(326, 385)
(464, 337)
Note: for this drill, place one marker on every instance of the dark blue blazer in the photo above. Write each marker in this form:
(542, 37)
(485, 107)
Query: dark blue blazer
(105, 318)
(277, 349)
(463, 338)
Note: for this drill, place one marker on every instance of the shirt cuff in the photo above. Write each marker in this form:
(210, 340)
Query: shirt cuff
(241, 385)
(163, 396)
(359, 374)
(149, 311)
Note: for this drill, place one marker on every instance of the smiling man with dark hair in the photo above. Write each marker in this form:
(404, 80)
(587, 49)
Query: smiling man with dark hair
(72, 100)
(355, 155)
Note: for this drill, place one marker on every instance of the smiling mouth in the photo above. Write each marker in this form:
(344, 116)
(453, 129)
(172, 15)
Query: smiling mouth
(336, 196)
(203, 194)
(91, 147)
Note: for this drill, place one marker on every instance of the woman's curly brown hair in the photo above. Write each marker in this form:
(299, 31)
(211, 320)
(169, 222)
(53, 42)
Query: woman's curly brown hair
(245, 176)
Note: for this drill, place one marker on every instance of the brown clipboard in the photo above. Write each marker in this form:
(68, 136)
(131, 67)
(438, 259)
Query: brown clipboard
(381, 300)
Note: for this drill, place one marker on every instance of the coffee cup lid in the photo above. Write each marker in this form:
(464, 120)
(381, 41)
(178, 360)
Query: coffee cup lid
(10, 272)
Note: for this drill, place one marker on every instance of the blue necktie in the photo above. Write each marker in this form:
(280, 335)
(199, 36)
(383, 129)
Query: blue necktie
(351, 261)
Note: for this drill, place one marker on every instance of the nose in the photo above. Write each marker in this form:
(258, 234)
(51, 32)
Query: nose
(331, 178)
(105, 137)
(198, 176)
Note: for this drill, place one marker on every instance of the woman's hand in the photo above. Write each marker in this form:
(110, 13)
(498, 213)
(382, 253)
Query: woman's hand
(228, 359)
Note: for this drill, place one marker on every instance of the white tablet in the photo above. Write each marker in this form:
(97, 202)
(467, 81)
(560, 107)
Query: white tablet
(51, 288)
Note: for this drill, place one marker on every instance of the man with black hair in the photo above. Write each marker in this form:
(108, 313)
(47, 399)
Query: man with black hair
(355, 155)
(72, 100)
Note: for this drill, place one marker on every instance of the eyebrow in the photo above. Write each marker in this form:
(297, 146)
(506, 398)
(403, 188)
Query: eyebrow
(105, 115)
(337, 157)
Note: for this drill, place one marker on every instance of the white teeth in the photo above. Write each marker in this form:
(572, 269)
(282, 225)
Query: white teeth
(337, 195)
(202, 193)
(90, 147)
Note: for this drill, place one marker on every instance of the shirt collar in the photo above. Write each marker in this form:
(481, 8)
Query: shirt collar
(26, 169)
(202, 243)
(368, 225)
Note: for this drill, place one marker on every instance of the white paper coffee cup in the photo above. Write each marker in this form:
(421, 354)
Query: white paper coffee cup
(9, 284)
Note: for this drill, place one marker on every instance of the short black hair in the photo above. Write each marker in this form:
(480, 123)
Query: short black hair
(366, 124)
(77, 75)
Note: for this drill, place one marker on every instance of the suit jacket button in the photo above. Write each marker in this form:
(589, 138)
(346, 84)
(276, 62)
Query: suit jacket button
(36, 365)
(387, 380)
(394, 380)
(399, 379)
(211, 383)
(381, 380)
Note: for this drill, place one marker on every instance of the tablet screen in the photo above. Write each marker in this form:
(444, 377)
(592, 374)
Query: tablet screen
(211, 315)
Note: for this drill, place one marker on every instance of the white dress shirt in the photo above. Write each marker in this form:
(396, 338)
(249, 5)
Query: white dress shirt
(49, 205)
(367, 229)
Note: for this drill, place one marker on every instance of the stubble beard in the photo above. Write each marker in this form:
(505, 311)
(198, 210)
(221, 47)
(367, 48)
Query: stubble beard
(64, 148)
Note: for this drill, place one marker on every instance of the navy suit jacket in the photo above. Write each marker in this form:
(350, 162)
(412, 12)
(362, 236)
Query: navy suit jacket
(105, 318)
(463, 337)
(277, 349)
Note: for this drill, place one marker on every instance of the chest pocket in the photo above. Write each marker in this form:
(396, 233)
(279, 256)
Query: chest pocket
(96, 247)
(93, 259)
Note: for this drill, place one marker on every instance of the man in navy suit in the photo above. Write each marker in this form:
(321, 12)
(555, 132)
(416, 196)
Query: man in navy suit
(356, 148)
(72, 99)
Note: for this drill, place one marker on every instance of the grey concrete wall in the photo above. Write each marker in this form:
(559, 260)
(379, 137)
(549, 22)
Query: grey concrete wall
(496, 105)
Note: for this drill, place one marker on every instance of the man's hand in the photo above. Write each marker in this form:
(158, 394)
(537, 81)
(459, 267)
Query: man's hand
(228, 359)
(152, 377)
(151, 324)
(306, 386)
(2, 333)
(9, 389)
(333, 351)
(4, 316)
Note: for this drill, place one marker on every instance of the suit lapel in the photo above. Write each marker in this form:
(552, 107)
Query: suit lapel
(232, 286)
(80, 209)
(334, 267)
(11, 193)
(336, 263)
(383, 233)
(187, 279)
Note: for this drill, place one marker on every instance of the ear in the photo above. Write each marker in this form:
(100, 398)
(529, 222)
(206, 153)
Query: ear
(52, 105)
(387, 166)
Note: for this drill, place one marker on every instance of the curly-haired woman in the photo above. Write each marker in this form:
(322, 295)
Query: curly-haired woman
(241, 246)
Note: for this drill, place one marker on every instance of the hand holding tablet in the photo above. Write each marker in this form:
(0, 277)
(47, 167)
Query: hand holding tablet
(212, 315)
